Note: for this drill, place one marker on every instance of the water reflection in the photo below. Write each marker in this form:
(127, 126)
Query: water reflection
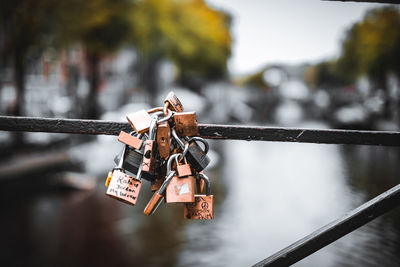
(267, 196)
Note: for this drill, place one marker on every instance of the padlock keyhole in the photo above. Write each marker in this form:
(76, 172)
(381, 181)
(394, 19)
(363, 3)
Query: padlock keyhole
(147, 154)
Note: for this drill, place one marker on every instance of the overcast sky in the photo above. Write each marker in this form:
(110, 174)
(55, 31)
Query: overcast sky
(287, 31)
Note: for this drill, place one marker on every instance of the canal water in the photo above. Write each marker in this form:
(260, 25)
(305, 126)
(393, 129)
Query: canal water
(267, 196)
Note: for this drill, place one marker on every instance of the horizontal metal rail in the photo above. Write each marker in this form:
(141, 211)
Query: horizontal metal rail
(335, 230)
(209, 131)
(369, 1)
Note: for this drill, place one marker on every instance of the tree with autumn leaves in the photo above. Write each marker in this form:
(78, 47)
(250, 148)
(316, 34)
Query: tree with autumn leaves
(370, 48)
(195, 37)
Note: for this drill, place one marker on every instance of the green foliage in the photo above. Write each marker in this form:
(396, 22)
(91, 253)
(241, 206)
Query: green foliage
(102, 25)
(256, 80)
(327, 74)
(189, 33)
(372, 46)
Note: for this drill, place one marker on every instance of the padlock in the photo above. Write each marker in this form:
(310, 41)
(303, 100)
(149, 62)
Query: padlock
(172, 102)
(184, 169)
(158, 196)
(203, 206)
(196, 156)
(139, 120)
(122, 186)
(133, 160)
(186, 124)
(149, 157)
(130, 140)
(164, 139)
(180, 189)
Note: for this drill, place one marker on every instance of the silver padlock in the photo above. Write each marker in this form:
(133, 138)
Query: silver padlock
(196, 156)
(122, 186)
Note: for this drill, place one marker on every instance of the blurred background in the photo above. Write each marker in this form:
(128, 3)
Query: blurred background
(309, 64)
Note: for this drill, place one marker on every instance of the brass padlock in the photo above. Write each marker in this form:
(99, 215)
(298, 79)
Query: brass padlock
(172, 102)
(123, 187)
(158, 196)
(149, 159)
(139, 120)
(130, 140)
(203, 206)
(164, 139)
(180, 189)
(186, 124)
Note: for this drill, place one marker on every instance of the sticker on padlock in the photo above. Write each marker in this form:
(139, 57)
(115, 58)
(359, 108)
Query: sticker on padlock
(172, 102)
(203, 206)
(108, 180)
(186, 124)
(158, 196)
(124, 187)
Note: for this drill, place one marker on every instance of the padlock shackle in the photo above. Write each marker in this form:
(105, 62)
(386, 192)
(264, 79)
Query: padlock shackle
(121, 160)
(165, 108)
(152, 110)
(170, 161)
(207, 183)
(183, 155)
(153, 129)
(166, 116)
(197, 138)
(177, 139)
(166, 182)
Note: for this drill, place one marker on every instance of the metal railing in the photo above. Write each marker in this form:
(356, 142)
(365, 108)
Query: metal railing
(298, 250)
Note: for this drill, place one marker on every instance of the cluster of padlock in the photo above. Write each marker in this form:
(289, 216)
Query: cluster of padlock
(163, 149)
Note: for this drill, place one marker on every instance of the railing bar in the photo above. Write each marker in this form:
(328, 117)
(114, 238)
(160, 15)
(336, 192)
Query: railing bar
(210, 131)
(369, 1)
(335, 230)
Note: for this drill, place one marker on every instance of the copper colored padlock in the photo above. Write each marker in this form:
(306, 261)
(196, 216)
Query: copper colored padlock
(130, 140)
(183, 169)
(173, 102)
(139, 120)
(186, 124)
(180, 190)
(164, 139)
(203, 206)
(124, 187)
